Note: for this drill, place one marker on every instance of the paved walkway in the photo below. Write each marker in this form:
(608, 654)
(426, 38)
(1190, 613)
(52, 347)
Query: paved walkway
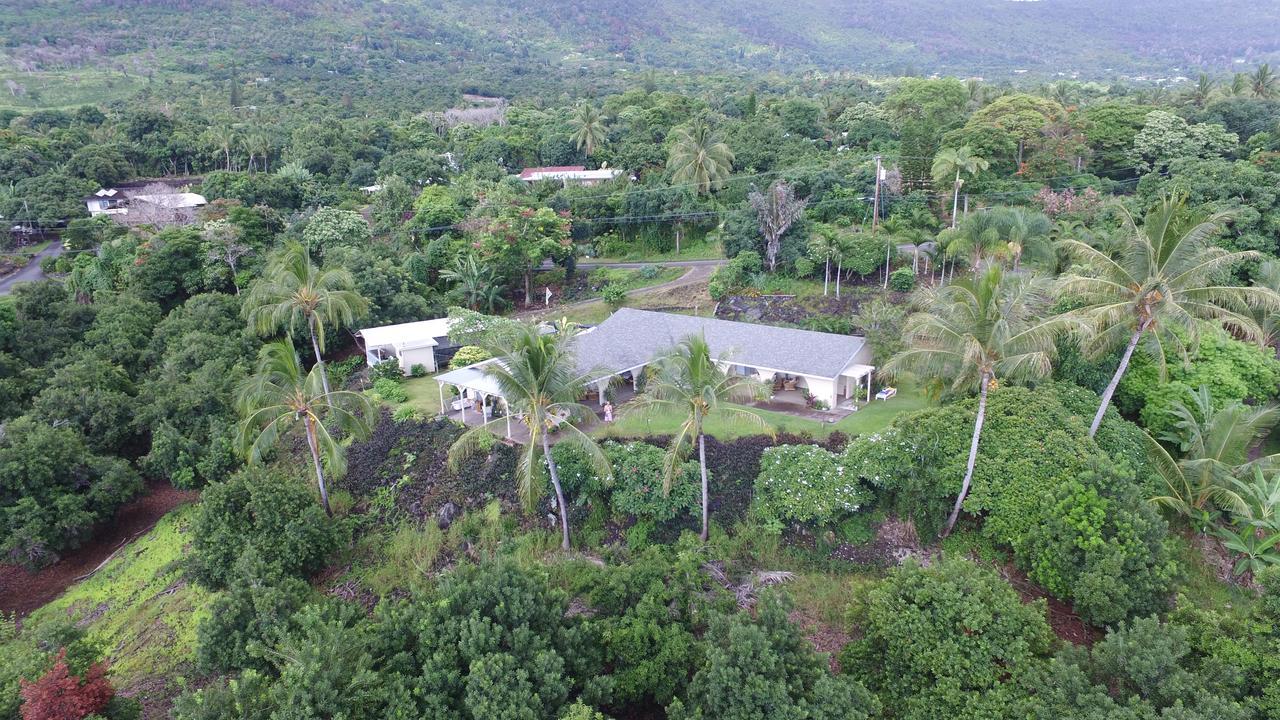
(32, 271)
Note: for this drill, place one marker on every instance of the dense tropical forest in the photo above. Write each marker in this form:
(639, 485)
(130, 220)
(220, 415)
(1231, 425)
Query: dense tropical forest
(1066, 505)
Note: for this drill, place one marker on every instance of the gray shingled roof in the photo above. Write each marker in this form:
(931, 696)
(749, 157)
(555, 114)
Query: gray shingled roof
(630, 338)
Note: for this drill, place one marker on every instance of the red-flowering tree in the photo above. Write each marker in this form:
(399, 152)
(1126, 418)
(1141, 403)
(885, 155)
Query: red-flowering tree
(59, 695)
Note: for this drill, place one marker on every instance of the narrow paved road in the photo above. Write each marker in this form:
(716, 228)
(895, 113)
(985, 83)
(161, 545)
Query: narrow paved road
(32, 271)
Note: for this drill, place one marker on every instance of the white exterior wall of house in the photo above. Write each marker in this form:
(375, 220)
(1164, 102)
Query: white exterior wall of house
(823, 389)
(424, 356)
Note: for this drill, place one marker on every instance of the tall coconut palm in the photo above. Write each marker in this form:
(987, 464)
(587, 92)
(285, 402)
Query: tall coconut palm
(223, 137)
(280, 395)
(589, 130)
(537, 374)
(1239, 86)
(698, 159)
(1215, 443)
(972, 332)
(690, 381)
(1263, 82)
(1160, 287)
(295, 291)
(956, 161)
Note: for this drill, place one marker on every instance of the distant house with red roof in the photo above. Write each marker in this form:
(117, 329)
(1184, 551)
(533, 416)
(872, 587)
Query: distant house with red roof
(569, 174)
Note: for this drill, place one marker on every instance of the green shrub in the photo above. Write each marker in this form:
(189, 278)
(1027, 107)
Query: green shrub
(903, 279)
(614, 296)
(636, 487)
(1098, 543)
(53, 490)
(418, 370)
(388, 369)
(390, 390)
(256, 508)
(944, 641)
(804, 267)
(805, 484)
(637, 483)
(649, 272)
(407, 413)
(257, 604)
(1231, 369)
(735, 274)
(762, 667)
(341, 371)
(469, 355)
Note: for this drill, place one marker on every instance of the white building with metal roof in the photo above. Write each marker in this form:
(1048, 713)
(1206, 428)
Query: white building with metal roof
(828, 366)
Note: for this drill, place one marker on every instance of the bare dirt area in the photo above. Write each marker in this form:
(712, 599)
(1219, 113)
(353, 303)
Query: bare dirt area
(22, 591)
(1061, 616)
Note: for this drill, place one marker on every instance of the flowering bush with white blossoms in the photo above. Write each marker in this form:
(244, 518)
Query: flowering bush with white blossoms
(806, 484)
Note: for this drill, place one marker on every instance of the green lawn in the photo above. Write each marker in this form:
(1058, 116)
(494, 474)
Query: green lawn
(698, 250)
(869, 419)
(424, 394)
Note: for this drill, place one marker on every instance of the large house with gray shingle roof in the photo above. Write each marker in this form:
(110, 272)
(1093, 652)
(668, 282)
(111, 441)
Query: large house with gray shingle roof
(828, 366)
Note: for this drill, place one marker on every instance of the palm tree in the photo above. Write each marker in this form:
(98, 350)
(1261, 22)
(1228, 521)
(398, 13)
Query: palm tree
(980, 235)
(223, 137)
(294, 290)
(279, 395)
(956, 161)
(1026, 233)
(690, 381)
(1263, 81)
(972, 332)
(589, 128)
(537, 375)
(1203, 91)
(699, 159)
(1239, 85)
(478, 283)
(824, 246)
(1215, 444)
(1160, 286)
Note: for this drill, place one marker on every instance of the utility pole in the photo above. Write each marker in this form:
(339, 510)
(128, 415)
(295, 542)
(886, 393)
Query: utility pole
(875, 219)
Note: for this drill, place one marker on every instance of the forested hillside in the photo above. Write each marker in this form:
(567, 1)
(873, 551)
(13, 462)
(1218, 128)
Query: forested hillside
(637, 361)
(424, 53)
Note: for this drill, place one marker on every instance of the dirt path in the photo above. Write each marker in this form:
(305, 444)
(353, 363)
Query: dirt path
(699, 271)
(22, 591)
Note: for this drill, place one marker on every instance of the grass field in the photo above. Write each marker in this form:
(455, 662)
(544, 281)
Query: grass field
(871, 418)
(68, 89)
(701, 250)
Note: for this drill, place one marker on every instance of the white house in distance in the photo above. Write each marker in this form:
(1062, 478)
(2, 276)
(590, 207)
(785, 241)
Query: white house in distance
(415, 343)
(832, 368)
(569, 174)
(156, 202)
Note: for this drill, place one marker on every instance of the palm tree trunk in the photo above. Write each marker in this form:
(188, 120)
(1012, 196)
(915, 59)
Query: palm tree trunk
(315, 460)
(555, 483)
(839, 270)
(1115, 379)
(826, 277)
(955, 201)
(706, 495)
(528, 292)
(973, 457)
(315, 347)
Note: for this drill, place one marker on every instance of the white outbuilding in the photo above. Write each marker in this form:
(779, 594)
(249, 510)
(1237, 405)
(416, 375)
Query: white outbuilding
(415, 343)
